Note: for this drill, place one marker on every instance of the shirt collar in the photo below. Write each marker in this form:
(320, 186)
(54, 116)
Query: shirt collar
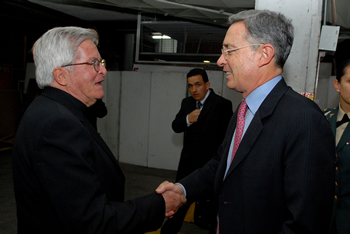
(341, 113)
(81, 106)
(206, 96)
(258, 95)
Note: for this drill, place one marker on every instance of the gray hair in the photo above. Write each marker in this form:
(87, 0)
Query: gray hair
(268, 27)
(58, 47)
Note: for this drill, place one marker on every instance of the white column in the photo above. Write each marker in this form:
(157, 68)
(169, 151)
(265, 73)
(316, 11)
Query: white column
(300, 70)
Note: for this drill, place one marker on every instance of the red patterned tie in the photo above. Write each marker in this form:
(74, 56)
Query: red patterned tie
(239, 127)
(238, 136)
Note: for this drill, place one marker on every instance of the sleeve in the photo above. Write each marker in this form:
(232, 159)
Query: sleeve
(309, 173)
(179, 124)
(201, 181)
(74, 189)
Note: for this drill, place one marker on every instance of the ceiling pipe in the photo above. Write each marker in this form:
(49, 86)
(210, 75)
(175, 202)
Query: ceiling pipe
(194, 7)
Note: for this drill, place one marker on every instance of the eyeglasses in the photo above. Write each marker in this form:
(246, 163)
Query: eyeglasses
(225, 51)
(96, 63)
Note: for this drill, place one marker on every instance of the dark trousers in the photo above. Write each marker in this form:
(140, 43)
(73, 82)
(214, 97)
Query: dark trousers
(173, 225)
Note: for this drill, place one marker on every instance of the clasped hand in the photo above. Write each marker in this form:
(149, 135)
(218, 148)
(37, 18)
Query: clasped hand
(193, 116)
(173, 195)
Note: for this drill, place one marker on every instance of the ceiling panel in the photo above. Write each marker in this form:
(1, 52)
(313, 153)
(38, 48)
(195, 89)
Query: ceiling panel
(209, 11)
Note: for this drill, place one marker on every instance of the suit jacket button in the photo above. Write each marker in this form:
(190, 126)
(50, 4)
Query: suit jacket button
(336, 183)
(336, 197)
(337, 169)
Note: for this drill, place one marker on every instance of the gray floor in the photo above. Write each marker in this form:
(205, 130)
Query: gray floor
(139, 181)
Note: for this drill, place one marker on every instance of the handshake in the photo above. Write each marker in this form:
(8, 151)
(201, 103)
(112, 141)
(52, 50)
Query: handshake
(173, 195)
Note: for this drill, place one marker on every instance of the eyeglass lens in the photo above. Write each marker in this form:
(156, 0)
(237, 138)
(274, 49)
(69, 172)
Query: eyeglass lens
(97, 64)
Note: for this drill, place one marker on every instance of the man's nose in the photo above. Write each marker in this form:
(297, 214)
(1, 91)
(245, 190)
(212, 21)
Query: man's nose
(103, 70)
(221, 61)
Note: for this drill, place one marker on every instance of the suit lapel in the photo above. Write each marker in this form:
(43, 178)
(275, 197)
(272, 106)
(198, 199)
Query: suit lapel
(56, 95)
(344, 138)
(256, 125)
(208, 104)
(191, 106)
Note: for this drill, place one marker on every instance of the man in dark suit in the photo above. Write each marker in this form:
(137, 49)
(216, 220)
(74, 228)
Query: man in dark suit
(281, 176)
(66, 179)
(203, 118)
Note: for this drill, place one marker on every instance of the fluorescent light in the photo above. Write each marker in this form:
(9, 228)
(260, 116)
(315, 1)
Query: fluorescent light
(161, 37)
(206, 61)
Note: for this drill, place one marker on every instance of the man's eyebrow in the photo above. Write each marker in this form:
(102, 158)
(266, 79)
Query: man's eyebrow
(194, 83)
(227, 45)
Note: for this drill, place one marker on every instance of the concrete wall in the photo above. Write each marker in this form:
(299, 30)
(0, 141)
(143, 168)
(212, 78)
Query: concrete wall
(326, 95)
(141, 107)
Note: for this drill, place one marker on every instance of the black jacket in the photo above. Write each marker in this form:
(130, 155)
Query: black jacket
(67, 180)
(203, 138)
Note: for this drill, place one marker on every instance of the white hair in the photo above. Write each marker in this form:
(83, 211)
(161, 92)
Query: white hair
(58, 47)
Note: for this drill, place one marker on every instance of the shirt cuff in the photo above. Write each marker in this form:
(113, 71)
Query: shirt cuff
(182, 188)
(188, 122)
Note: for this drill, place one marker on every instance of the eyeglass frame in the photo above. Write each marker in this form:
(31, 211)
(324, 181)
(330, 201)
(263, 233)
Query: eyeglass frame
(93, 63)
(225, 52)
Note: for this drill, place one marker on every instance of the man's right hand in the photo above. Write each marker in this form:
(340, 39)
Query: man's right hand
(173, 201)
(193, 116)
(173, 195)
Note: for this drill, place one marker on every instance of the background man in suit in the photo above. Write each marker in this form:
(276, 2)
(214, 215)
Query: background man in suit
(203, 118)
(281, 178)
(66, 179)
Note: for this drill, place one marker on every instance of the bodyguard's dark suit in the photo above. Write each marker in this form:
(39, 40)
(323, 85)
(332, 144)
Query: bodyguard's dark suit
(281, 179)
(201, 142)
(203, 138)
(67, 180)
(341, 211)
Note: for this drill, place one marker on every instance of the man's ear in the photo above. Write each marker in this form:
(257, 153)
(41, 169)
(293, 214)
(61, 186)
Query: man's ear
(267, 54)
(61, 76)
(207, 85)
